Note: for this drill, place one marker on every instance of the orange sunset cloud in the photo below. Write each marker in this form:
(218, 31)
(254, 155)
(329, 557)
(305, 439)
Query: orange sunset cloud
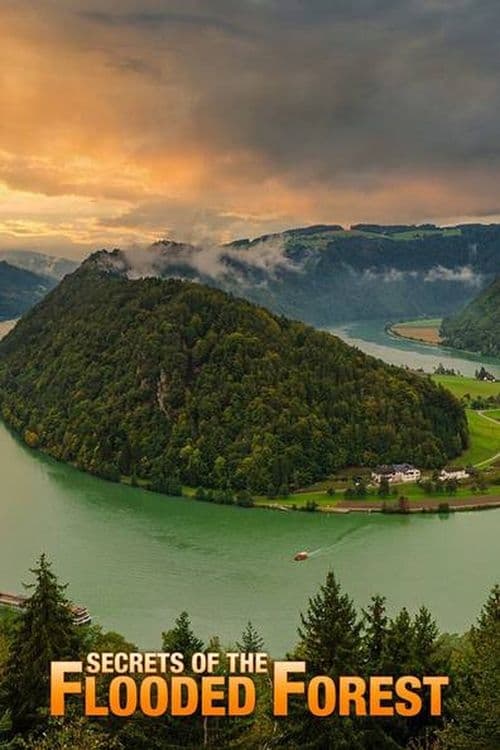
(122, 122)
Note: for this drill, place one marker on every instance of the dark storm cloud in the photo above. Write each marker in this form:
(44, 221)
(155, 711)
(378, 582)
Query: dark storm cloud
(337, 90)
(244, 116)
(156, 19)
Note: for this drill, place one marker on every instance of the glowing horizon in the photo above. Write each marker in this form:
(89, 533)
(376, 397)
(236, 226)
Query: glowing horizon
(128, 121)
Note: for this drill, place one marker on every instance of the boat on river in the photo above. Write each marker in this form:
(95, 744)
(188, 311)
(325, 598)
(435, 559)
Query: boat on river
(80, 614)
(301, 556)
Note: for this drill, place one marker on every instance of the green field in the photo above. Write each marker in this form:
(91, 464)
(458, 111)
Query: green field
(484, 447)
(462, 386)
(410, 491)
(484, 433)
(484, 440)
(421, 323)
(417, 234)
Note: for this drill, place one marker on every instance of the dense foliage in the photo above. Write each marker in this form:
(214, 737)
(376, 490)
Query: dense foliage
(20, 289)
(154, 379)
(477, 327)
(334, 639)
(44, 633)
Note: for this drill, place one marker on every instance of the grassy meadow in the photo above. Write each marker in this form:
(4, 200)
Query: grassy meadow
(461, 386)
(484, 446)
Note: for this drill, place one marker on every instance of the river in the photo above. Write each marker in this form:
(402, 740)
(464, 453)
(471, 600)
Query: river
(137, 559)
(372, 338)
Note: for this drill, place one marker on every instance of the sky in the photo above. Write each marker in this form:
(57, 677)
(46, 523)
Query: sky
(125, 121)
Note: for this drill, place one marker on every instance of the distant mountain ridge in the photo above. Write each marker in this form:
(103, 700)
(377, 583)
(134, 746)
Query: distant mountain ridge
(325, 274)
(20, 290)
(477, 327)
(39, 263)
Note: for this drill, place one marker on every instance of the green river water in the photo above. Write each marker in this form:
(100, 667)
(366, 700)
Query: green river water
(137, 559)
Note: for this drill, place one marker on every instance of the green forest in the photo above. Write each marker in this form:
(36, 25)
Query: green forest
(477, 327)
(163, 382)
(334, 638)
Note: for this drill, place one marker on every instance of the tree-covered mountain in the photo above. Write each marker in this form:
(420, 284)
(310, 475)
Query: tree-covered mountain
(155, 378)
(477, 327)
(324, 274)
(20, 289)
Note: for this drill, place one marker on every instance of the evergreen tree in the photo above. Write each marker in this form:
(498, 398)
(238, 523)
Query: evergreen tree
(45, 633)
(375, 635)
(475, 708)
(330, 644)
(400, 645)
(489, 619)
(330, 631)
(77, 734)
(181, 638)
(425, 638)
(251, 640)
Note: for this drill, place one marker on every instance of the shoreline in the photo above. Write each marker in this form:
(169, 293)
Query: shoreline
(389, 329)
(428, 505)
(425, 505)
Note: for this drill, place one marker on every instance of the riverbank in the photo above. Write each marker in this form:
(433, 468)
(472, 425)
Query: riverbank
(427, 505)
(318, 499)
(422, 331)
(444, 504)
(226, 565)
(482, 452)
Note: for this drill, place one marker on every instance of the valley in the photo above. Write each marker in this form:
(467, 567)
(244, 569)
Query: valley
(328, 274)
(163, 555)
(163, 542)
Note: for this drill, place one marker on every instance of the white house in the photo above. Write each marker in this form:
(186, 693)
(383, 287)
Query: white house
(453, 474)
(396, 473)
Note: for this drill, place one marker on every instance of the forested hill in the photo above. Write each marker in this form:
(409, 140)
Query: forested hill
(153, 378)
(324, 274)
(477, 327)
(20, 289)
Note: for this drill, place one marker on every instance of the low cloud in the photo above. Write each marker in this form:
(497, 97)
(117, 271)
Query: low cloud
(220, 263)
(257, 262)
(390, 275)
(461, 275)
